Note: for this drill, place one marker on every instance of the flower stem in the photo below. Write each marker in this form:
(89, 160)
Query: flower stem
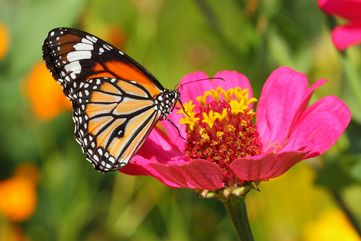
(236, 208)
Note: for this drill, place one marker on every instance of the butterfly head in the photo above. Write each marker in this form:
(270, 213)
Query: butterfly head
(166, 101)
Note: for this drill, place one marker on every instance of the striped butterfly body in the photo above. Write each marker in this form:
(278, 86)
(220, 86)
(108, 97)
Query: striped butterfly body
(116, 101)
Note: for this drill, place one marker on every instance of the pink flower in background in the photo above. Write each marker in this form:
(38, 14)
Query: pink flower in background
(348, 34)
(225, 146)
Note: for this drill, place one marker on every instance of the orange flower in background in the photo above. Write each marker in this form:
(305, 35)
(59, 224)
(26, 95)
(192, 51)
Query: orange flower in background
(331, 225)
(4, 40)
(18, 194)
(115, 35)
(46, 97)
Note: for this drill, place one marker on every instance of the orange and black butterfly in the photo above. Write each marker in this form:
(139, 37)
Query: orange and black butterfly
(116, 101)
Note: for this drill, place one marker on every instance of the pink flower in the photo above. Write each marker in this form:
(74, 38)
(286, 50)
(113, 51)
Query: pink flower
(349, 34)
(224, 146)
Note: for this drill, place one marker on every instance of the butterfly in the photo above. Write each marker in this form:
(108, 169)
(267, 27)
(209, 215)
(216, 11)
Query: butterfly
(116, 101)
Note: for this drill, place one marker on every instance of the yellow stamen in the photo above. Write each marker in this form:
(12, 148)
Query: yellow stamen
(223, 115)
(209, 118)
(237, 107)
(220, 134)
(203, 133)
(189, 115)
(212, 116)
(237, 98)
(243, 123)
(230, 128)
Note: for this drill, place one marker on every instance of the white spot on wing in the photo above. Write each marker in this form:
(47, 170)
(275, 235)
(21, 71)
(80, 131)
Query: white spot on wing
(83, 46)
(78, 55)
(86, 41)
(93, 39)
(112, 159)
(73, 67)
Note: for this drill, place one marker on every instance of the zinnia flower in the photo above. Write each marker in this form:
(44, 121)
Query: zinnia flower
(348, 34)
(228, 143)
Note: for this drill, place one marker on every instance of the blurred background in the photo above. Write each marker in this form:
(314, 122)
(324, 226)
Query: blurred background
(49, 192)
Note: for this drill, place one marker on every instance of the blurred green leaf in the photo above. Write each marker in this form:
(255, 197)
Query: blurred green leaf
(343, 169)
(351, 92)
(333, 176)
(282, 53)
(31, 22)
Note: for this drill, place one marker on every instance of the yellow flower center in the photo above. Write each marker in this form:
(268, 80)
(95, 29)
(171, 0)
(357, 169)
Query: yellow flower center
(220, 127)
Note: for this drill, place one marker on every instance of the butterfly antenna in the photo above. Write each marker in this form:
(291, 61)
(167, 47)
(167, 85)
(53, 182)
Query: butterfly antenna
(184, 110)
(194, 81)
(181, 103)
(197, 80)
(179, 133)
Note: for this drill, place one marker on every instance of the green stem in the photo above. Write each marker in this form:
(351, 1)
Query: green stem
(236, 208)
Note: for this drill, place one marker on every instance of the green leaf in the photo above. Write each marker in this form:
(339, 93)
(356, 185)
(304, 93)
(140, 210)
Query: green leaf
(30, 27)
(334, 176)
(344, 170)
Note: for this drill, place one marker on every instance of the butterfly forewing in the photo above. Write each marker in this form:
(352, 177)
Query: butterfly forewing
(74, 56)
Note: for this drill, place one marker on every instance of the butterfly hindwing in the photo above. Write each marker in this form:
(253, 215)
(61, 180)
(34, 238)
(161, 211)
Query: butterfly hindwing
(112, 119)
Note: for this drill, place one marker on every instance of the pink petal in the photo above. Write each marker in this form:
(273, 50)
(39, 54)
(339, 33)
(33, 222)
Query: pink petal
(134, 170)
(347, 35)
(195, 174)
(150, 153)
(159, 158)
(158, 145)
(320, 126)
(349, 9)
(148, 170)
(228, 80)
(190, 90)
(282, 96)
(175, 133)
(232, 79)
(265, 166)
(157, 148)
